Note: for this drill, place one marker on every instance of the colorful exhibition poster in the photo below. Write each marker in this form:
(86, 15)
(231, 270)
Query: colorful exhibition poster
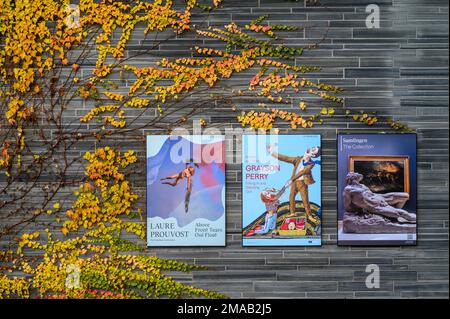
(185, 191)
(377, 189)
(281, 190)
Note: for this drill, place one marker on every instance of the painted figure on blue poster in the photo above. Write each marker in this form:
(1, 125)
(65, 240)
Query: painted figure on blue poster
(281, 197)
(186, 190)
(376, 189)
(187, 174)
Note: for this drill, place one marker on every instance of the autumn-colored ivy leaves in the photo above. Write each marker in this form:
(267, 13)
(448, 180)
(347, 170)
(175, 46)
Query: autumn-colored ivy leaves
(31, 49)
(100, 258)
(106, 196)
(28, 51)
(168, 80)
(37, 36)
(40, 59)
(37, 39)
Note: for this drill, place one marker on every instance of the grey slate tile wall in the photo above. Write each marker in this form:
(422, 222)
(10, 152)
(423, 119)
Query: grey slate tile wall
(400, 70)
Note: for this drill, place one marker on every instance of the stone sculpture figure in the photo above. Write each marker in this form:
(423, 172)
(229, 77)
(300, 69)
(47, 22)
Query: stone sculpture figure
(368, 212)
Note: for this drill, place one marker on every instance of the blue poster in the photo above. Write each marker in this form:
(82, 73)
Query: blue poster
(185, 191)
(281, 190)
(377, 197)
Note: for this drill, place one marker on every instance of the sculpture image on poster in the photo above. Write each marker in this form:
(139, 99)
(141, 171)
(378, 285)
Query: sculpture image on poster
(377, 189)
(185, 190)
(281, 190)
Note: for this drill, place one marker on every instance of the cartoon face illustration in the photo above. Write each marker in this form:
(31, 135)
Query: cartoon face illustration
(313, 152)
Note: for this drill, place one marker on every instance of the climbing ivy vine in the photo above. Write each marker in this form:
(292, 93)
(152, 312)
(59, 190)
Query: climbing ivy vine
(98, 263)
(43, 51)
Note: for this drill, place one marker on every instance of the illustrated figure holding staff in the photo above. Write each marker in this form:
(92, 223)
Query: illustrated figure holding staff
(301, 177)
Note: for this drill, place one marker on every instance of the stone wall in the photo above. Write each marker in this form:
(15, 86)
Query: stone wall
(400, 70)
